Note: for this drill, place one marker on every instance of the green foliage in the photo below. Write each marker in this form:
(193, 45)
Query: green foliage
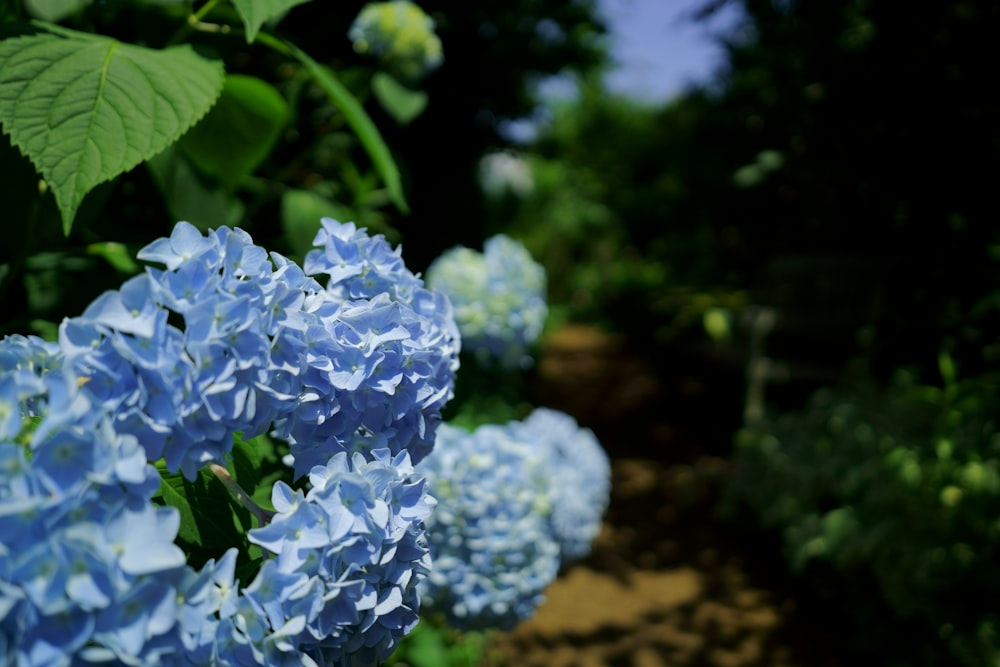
(86, 108)
(224, 128)
(399, 101)
(901, 486)
(212, 520)
(212, 517)
(190, 196)
(255, 13)
(359, 121)
(432, 644)
(239, 132)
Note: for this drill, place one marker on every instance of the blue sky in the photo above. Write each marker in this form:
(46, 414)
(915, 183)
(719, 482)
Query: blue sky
(658, 48)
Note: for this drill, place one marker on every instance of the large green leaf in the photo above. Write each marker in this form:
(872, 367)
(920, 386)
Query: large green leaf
(239, 132)
(85, 108)
(256, 13)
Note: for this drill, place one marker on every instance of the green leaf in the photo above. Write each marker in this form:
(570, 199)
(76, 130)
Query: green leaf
(239, 132)
(115, 254)
(399, 101)
(359, 121)
(246, 458)
(172, 492)
(425, 646)
(301, 211)
(188, 197)
(210, 517)
(54, 10)
(256, 13)
(86, 108)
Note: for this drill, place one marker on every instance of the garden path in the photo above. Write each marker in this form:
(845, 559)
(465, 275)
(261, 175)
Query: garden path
(668, 582)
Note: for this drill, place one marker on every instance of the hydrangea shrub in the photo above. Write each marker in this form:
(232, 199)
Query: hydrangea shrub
(350, 361)
(515, 503)
(491, 548)
(580, 478)
(499, 298)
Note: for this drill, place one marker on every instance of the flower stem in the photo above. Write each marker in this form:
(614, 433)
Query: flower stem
(263, 516)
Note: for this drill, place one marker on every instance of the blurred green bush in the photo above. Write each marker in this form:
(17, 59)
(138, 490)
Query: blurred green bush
(897, 486)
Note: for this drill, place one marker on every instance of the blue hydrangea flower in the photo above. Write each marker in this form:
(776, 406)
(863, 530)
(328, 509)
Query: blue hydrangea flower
(348, 556)
(491, 548)
(498, 296)
(89, 571)
(182, 356)
(400, 34)
(580, 474)
(224, 338)
(381, 353)
(88, 567)
(204, 598)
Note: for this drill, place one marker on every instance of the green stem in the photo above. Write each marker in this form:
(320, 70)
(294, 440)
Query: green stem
(354, 114)
(203, 12)
(263, 516)
(195, 22)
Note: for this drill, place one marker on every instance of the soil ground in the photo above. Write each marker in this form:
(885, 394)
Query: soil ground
(668, 582)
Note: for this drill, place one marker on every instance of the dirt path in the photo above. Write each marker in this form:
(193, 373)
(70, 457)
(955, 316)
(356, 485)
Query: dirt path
(667, 584)
(664, 587)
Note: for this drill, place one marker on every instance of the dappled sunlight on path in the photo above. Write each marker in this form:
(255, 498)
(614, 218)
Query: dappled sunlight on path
(668, 583)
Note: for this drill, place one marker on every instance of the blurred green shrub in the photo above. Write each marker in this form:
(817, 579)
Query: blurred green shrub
(900, 486)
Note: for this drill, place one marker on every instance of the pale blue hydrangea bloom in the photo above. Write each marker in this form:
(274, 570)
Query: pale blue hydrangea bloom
(88, 568)
(228, 339)
(184, 357)
(492, 552)
(580, 477)
(223, 339)
(350, 553)
(89, 572)
(499, 298)
(400, 34)
(381, 352)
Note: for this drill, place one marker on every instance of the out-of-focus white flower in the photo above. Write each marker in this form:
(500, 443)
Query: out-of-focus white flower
(504, 172)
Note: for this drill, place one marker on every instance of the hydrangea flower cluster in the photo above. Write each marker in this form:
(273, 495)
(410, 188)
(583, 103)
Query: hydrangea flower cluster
(223, 339)
(383, 364)
(89, 571)
(491, 548)
(88, 566)
(184, 357)
(401, 34)
(349, 556)
(515, 503)
(341, 587)
(580, 477)
(498, 296)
